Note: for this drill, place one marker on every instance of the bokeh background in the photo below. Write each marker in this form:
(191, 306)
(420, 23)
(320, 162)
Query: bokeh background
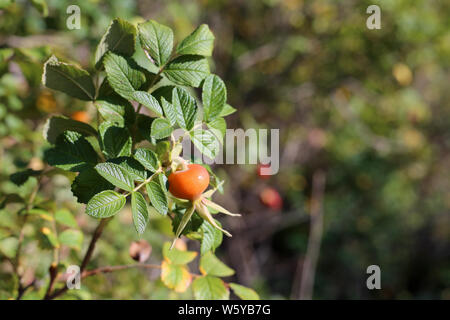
(364, 118)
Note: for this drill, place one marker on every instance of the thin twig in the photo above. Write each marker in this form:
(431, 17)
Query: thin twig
(87, 257)
(16, 260)
(109, 269)
(308, 268)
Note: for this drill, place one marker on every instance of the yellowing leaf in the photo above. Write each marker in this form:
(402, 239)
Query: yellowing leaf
(175, 277)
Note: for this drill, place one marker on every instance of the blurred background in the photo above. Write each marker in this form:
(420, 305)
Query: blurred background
(364, 118)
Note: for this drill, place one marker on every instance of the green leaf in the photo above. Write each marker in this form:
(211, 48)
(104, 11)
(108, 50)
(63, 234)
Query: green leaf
(210, 288)
(114, 108)
(211, 237)
(148, 101)
(169, 111)
(227, 110)
(147, 158)
(88, 183)
(192, 225)
(71, 238)
(199, 42)
(69, 79)
(19, 178)
(144, 124)
(132, 166)
(187, 70)
(157, 194)
(243, 292)
(8, 246)
(139, 209)
(218, 126)
(105, 204)
(178, 257)
(206, 142)
(175, 277)
(65, 217)
(211, 265)
(214, 97)
(58, 125)
(41, 6)
(50, 239)
(163, 92)
(123, 76)
(115, 174)
(119, 38)
(185, 107)
(72, 152)
(161, 128)
(115, 141)
(157, 39)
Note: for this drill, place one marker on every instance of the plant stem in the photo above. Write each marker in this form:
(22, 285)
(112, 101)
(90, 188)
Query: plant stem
(16, 260)
(109, 269)
(143, 183)
(87, 257)
(305, 292)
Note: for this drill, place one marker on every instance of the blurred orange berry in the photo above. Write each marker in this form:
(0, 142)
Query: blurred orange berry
(81, 116)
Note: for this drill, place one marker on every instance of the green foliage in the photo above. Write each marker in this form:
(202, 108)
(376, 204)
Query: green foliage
(69, 79)
(140, 211)
(105, 204)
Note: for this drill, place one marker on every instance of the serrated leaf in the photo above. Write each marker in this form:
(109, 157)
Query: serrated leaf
(211, 237)
(178, 257)
(210, 288)
(199, 42)
(214, 97)
(66, 218)
(211, 265)
(147, 158)
(185, 108)
(115, 174)
(187, 70)
(157, 194)
(206, 142)
(157, 39)
(114, 108)
(56, 126)
(71, 238)
(132, 166)
(19, 178)
(227, 110)
(243, 292)
(69, 79)
(169, 111)
(161, 128)
(105, 204)
(140, 212)
(218, 126)
(88, 183)
(71, 152)
(123, 76)
(163, 92)
(119, 38)
(115, 141)
(148, 101)
(175, 277)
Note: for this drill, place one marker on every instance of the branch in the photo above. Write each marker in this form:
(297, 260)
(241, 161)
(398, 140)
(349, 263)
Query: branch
(308, 268)
(109, 269)
(87, 257)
